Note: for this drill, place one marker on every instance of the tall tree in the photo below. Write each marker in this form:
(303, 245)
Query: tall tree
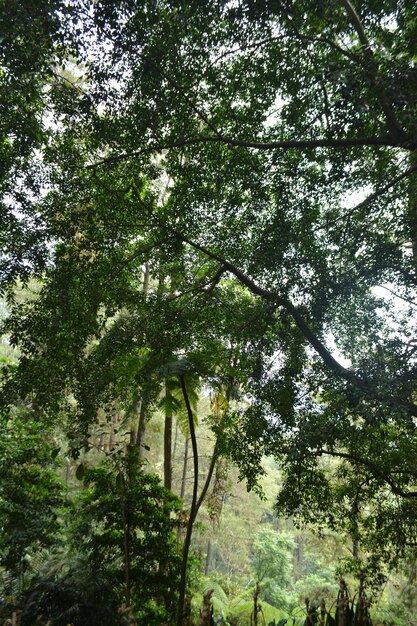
(287, 134)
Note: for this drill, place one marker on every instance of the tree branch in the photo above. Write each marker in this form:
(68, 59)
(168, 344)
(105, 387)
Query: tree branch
(279, 301)
(184, 95)
(373, 196)
(376, 471)
(206, 485)
(132, 257)
(211, 283)
(302, 144)
(397, 295)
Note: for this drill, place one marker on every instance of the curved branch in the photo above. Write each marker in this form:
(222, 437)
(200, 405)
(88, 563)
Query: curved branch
(376, 471)
(279, 301)
(206, 485)
(397, 295)
(135, 255)
(187, 541)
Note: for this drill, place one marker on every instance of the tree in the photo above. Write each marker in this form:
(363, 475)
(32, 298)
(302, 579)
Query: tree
(31, 494)
(128, 516)
(267, 120)
(271, 563)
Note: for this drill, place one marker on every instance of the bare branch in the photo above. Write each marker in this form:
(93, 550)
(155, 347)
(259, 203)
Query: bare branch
(397, 295)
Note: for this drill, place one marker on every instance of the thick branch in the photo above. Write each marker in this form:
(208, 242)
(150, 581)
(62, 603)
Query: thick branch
(279, 301)
(300, 144)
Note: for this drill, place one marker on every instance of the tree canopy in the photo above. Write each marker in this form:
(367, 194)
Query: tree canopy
(257, 159)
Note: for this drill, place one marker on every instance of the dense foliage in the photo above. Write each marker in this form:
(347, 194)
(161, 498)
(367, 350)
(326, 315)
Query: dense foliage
(31, 494)
(126, 526)
(231, 186)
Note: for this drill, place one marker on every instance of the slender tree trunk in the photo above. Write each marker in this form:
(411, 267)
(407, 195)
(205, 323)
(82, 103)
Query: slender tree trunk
(168, 442)
(137, 435)
(322, 612)
(184, 468)
(408, 595)
(67, 473)
(206, 485)
(256, 607)
(174, 451)
(146, 276)
(187, 541)
(140, 440)
(195, 501)
(299, 557)
(134, 429)
(412, 206)
(342, 603)
(208, 558)
(126, 538)
(112, 439)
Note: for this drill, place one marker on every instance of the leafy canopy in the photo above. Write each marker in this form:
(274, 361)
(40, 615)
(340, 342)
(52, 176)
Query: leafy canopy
(259, 158)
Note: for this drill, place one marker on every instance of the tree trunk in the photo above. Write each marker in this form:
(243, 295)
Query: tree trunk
(134, 429)
(408, 595)
(342, 603)
(412, 206)
(195, 501)
(187, 541)
(174, 451)
(184, 468)
(208, 558)
(126, 537)
(256, 607)
(299, 557)
(112, 439)
(168, 443)
(206, 611)
(140, 439)
(146, 276)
